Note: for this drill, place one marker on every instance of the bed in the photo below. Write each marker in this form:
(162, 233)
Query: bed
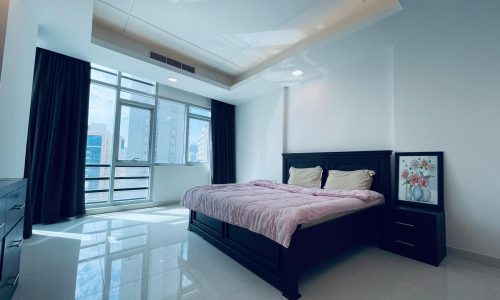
(312, 243)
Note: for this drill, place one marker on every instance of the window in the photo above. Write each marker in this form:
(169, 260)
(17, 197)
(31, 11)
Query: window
(135, 126)
(199, 137)
(170, 132)
(121, 145)
(118, 158)
(182, 133)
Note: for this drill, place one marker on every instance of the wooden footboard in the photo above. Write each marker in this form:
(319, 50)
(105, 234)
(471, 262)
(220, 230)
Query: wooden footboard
(282, 266)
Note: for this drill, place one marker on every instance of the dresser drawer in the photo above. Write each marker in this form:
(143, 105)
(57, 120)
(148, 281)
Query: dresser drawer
(14, 207)
(2, 217)
(11, 260)
(12, 255)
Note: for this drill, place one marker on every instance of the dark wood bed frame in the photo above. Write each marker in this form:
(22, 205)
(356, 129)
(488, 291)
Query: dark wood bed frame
(310, 246)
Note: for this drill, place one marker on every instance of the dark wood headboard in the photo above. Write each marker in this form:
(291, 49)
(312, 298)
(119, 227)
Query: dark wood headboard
(378, 161)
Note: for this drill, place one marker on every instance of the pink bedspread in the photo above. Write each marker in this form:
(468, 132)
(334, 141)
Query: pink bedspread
(273, 209)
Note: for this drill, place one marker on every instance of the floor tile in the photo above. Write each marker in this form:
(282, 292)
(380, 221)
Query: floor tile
(150, 254)
(494, 280)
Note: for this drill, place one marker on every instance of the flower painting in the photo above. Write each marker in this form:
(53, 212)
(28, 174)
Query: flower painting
(419, 177)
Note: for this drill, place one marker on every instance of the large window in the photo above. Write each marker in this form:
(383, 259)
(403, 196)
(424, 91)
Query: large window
(124, 110)
(182, 133)
(119, 157)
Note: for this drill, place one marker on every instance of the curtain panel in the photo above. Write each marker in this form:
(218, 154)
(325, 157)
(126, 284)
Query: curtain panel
(223, 143)
(57, 138)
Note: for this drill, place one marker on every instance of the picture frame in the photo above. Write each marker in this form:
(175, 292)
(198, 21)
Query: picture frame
(419, 179)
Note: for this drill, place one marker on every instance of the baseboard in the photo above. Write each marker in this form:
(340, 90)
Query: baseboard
(118, 208)
(475, 257)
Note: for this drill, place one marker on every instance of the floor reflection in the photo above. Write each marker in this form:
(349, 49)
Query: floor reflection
(134, 265)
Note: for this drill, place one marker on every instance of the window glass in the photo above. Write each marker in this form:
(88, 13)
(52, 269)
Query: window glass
(134, 178)
(199, 111)
(103, 74)
(131, 172)
(137, 97)
(132, 194)
(101, 123)
(137, 83)
(92, 198)
(170, 132)
(199, 139)
(134, 133)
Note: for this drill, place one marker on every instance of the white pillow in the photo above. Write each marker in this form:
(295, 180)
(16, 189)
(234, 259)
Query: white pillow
(349, 180)
(306, 177)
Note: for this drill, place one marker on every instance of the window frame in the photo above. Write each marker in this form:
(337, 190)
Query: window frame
(115, 162)
(187, 116)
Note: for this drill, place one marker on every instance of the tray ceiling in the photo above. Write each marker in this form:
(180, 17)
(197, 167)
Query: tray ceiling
(231, 37)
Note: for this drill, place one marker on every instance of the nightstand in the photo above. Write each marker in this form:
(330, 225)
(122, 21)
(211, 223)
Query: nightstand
(416, 233)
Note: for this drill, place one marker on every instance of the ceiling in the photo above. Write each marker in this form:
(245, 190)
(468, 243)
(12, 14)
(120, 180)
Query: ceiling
(230, 37)
(241, 49)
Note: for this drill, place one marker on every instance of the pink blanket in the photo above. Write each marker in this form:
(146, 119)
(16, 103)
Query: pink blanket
(273, 209)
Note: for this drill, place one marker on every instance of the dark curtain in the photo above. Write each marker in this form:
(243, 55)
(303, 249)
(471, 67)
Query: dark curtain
(57, 134)
(223, 143)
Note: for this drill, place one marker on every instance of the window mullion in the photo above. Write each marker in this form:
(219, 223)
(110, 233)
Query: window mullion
(116, 141)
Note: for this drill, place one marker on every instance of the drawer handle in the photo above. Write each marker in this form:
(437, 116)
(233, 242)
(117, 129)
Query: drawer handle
(404, 224)
(405, 243)
(15, 281)
(19, 243)
(19, 206)
(1, 226)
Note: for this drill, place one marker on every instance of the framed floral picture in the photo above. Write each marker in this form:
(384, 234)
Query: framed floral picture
(419, 179)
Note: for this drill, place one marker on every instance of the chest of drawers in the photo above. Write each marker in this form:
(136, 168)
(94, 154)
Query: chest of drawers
(12, 204)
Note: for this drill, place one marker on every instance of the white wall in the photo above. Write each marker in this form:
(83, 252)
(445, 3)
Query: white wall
(4, 10)
(169, 182)
(15, 87)
(424, 79)
(350, 108)
(447, 91)
(259, 138)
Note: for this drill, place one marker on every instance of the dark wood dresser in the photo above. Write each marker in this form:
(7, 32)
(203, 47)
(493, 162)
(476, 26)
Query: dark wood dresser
(12, 202)
(416, 233)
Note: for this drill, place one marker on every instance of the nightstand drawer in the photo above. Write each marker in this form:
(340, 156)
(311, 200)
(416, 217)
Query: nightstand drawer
(408, 248)
(413, 222)
(412, 232)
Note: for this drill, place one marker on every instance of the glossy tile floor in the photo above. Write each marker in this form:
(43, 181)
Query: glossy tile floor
(149, 254)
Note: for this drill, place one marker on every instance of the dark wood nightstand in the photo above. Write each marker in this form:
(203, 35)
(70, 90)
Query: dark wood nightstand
(416, 233)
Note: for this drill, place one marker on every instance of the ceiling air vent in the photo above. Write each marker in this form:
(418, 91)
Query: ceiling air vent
(172, 62)
(188, 68)
(158, 57)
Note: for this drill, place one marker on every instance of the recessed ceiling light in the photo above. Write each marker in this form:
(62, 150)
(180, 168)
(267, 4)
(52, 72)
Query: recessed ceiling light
(172, 79)
(297, 73)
